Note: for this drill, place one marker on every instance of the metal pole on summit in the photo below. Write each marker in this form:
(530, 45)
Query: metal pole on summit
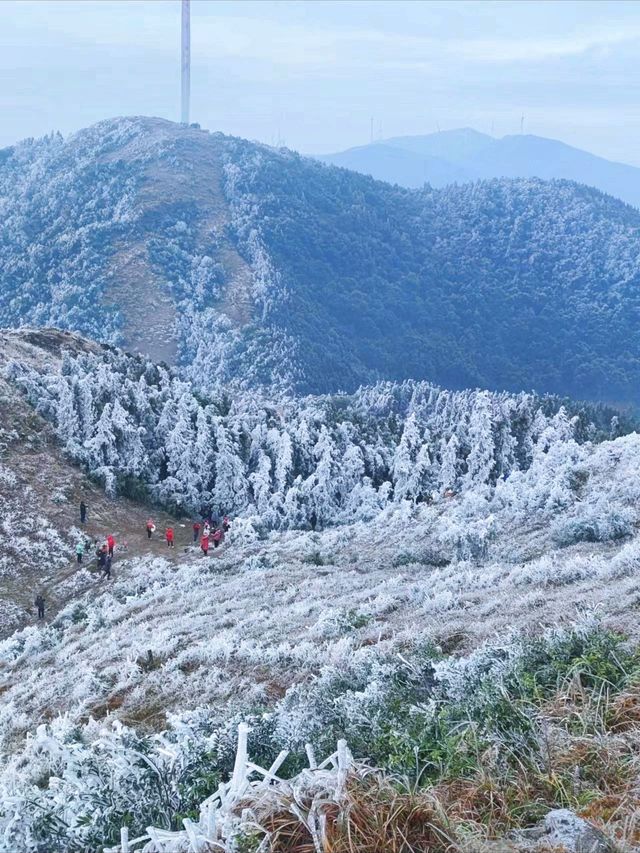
(186, 61)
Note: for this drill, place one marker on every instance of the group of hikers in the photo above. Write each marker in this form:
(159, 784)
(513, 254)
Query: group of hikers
(104, 559)
(212, 531)
(104, 554)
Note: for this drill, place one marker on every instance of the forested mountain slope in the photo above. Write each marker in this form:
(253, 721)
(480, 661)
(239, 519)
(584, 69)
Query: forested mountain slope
(246, 265)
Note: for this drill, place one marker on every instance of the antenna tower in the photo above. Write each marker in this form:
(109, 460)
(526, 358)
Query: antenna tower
(186, 62)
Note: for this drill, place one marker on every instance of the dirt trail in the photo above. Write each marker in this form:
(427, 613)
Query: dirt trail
(123, 518)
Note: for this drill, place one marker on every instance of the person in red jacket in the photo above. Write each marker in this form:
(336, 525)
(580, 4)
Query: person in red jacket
(217, 537)
(204, 544)
(169, 536)
(196, 530)
(111, 544)
(150, 528)
(226, 524)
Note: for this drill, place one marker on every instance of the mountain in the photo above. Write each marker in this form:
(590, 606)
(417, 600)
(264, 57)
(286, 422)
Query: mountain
(396, 165)
(452, 146)
(438, 584)
(534, 156)
(438, 159)
(466, 155)
(247, 266)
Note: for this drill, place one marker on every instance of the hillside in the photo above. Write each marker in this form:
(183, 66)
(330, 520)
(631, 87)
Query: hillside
(469, 640)
(40, 494)
(249, 266)
(466, 155)
(542, 498)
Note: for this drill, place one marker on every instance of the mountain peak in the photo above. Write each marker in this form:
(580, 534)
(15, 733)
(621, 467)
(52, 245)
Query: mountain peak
(243, 266)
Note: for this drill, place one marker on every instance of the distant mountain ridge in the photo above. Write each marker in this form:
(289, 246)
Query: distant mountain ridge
(395, 165)
(247, 266)
(467, 155)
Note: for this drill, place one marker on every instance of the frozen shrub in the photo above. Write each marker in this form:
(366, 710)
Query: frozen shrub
(600, 523)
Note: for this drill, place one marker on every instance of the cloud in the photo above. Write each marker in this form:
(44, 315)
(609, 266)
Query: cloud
(323, 49)
(296, 45)
(541, 49)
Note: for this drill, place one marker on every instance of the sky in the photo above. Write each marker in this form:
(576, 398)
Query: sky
(312, 75)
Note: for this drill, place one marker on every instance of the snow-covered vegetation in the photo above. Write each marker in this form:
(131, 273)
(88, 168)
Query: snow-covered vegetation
(411, 627)
(274, 607)
(252, 266)
(476, 732)
(62, 209)
(310, 462)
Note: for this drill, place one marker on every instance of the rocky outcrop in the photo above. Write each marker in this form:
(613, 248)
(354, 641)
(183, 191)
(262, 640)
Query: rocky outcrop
(561, 831)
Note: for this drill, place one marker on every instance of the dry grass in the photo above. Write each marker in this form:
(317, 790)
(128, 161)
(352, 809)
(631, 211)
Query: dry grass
(587, 760)
(375, 814)
(624, 711)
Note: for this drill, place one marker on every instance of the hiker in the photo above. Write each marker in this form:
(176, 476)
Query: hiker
(83, 512)
(150, 528)
(226, 524)
(80, 551)
(196, 530)
(111, 544)
(217, 537)
(107, 566)
(39, 603)
(204, 544)
(169, 537)
(206, 530)
(102, 556)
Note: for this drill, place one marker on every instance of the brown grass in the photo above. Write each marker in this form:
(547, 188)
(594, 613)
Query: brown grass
(624, 711)
(376, 815)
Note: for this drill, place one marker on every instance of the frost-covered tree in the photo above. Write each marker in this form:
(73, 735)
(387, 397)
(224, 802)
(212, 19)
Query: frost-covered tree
(309, 461)
(481, 460)
(449, 475)
(230, 486)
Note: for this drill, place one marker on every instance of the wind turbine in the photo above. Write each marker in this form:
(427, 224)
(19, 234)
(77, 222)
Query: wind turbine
(186, 61)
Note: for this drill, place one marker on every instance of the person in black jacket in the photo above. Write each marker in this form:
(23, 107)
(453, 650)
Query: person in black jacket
(83, 512)
(39, 603)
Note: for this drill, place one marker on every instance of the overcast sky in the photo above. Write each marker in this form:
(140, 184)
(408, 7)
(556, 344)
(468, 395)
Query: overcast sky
(312, 74)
